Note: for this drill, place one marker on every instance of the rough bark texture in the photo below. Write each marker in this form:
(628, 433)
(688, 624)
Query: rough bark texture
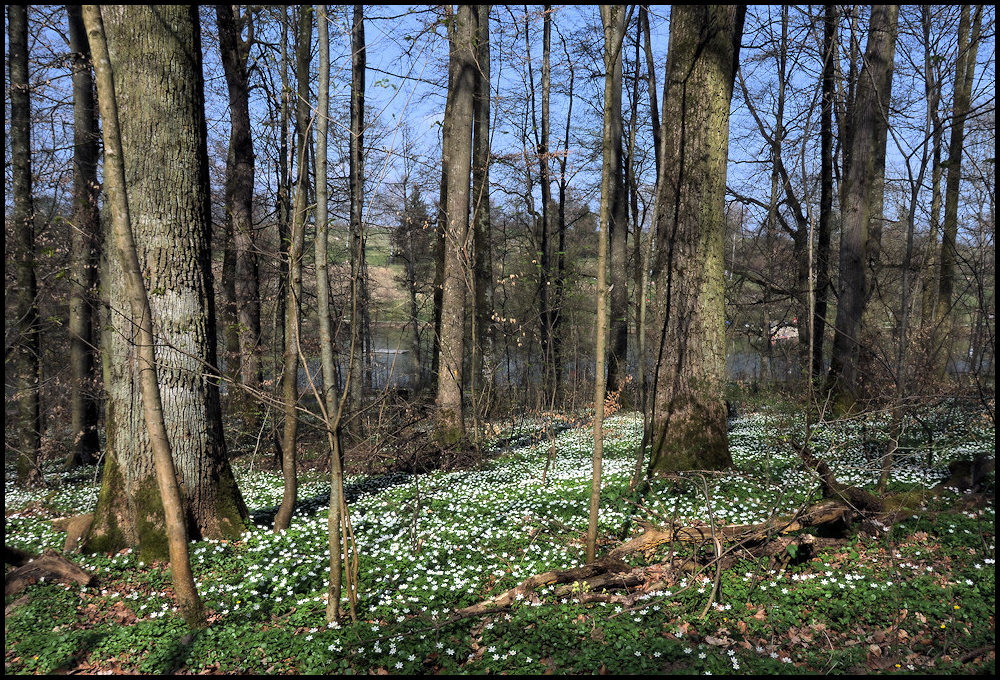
(156, 54)
(182, 29)
(25, 341)
(689, 421)
(84, 409)
(862, 198)
(457, 161)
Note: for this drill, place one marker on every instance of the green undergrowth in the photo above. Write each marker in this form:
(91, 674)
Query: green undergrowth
(913, 596)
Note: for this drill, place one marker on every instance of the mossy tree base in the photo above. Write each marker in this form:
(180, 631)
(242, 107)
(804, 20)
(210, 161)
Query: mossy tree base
(692, 438)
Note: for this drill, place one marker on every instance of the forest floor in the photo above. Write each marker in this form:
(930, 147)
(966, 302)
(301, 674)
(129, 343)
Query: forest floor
(914, 592)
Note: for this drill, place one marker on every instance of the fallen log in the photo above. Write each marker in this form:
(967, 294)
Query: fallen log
(593, 581)
(48, 565)
(829, 516)
(532, 583)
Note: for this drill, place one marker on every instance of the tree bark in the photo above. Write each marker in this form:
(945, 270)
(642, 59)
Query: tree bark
(239, 206)
(144, 42)
(166, 165)
(361, 337)
(84, 410)
(560, 274)
(26, 341)
(457, 163)
(330, 398)
(642, 292)
(862, 198)
(689, 419)
(830, 21)
(613, 22)
(545, 227)
(928, 297)
(617, 223)
(293, 299)
(965, 69)
(481, 241)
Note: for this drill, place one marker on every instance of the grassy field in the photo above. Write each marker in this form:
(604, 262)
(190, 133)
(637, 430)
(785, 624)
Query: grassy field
(911, 594)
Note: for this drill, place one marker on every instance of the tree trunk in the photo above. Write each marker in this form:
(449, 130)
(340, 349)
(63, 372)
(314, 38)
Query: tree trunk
(965, 69)
(361, 337)
(293, 295)
(545, 180)
(457, 163)
(84, 409)
(928, 297)
(144, 43)
(442, 221)
(689, 419)
(164, 147)
(826, 192)
(239, 206)
(862, 196)
(654, 114)
(330, 400)
(617, 226)
(613, 22)
(283, 210)
(481, 241)
(642, 291)
(26, 340)
(560, 275)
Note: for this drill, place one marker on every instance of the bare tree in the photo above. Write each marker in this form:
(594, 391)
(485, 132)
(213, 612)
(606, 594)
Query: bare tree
(613, 20)
(239, 208)
(965, 68)
(481, 241)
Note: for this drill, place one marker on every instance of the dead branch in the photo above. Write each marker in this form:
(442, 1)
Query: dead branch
(855, 498)
(591, 582)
